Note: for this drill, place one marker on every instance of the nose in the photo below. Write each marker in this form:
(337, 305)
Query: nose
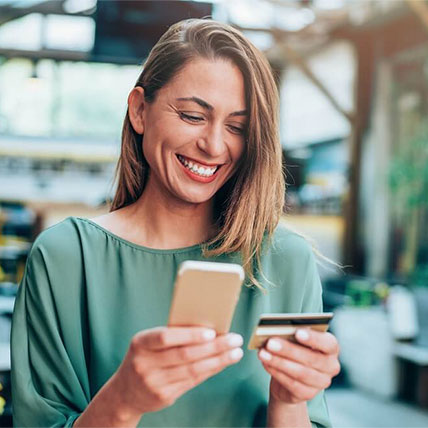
(212, 142)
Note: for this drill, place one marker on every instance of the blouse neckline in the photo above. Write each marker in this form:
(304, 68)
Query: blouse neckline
(107, 232)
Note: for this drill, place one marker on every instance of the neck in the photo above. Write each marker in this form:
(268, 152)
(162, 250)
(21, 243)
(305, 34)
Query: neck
(164, 222)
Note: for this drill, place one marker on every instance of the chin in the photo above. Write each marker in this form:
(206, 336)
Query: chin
(195, 198)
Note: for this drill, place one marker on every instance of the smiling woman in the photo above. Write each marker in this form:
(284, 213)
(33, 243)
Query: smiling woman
(199, 178)
(192, 144)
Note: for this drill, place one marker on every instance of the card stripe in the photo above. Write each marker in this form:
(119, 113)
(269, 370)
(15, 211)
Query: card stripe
(294, 321)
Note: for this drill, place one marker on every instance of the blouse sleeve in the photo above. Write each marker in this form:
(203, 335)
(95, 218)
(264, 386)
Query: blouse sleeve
(47, 389)
(297, 265)
(312, 302)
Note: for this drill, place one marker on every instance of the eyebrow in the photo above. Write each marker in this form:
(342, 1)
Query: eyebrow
(209, 107)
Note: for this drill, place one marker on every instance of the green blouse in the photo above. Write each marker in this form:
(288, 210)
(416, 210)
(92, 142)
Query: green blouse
(86, 292)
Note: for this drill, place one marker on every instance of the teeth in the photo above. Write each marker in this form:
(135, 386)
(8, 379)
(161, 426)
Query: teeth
(205, 172)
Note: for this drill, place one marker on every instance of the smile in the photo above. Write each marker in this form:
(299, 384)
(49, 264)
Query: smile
(203, 171)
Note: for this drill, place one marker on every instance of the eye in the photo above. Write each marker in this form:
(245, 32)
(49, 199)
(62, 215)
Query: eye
(237, 130)
(190, 117)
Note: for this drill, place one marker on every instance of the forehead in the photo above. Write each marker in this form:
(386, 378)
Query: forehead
(219, 82)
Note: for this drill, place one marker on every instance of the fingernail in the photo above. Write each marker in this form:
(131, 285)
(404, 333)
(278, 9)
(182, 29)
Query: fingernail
(209, 334)
(235, 340)
(274, 345)
(302, 335)
(265, 355)
(236, 353)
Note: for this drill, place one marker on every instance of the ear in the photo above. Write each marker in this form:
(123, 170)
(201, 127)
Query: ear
(136, 109)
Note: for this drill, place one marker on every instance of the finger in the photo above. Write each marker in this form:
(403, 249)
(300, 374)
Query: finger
(298, 390)
(321, 341)
(186, 354)
(200, 369)
(299, 372)
(166, 337)
(303, 355)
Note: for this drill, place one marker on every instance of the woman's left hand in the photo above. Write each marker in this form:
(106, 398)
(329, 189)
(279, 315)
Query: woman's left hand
(300, 370)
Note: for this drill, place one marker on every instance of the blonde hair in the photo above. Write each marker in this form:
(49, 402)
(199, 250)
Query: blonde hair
(248, 207)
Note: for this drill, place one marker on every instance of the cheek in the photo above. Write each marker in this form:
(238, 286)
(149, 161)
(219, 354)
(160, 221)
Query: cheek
(238, 151)
(148, 151)
(155, 141)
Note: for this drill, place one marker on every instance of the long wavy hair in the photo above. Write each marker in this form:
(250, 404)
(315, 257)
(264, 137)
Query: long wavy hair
(248, 207)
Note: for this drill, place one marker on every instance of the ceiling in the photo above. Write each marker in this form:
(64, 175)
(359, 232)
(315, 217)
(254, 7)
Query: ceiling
(304, 25)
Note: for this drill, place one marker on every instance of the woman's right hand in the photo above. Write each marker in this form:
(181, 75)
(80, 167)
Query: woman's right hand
(165, 362)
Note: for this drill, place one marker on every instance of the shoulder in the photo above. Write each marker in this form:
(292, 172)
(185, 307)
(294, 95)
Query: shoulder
(292, 265)
(55, 263)
(290, 245)
(59, 236)
(60, 243)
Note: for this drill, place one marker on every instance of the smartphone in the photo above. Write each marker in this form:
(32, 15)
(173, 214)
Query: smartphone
(206, 294)
(286, 325)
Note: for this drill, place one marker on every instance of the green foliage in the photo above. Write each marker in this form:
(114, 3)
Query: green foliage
(2, 401)
(419, 276)
(408, 176)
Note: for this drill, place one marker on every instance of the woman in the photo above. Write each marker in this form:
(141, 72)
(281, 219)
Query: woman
(199, 178)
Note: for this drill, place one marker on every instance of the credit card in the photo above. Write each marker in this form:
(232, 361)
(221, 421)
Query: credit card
(285, 326)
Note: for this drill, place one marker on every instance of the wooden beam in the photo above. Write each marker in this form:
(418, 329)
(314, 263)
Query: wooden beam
(394, 35)
(55, 54)
(352, 245)
(298, 61)
(420, 8)
(65, 55)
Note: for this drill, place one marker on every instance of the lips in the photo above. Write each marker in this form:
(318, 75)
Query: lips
(199, 163)
(198, 171)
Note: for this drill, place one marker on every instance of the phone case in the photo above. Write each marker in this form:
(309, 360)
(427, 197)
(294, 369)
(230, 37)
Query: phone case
(206, 294)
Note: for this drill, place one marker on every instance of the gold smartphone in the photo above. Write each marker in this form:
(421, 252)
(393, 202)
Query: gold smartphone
(286, 325)
(206, 294)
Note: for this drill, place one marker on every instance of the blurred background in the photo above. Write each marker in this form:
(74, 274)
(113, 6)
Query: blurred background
(353, 82)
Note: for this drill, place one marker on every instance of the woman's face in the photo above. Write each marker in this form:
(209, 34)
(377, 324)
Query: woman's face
(194, 129)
